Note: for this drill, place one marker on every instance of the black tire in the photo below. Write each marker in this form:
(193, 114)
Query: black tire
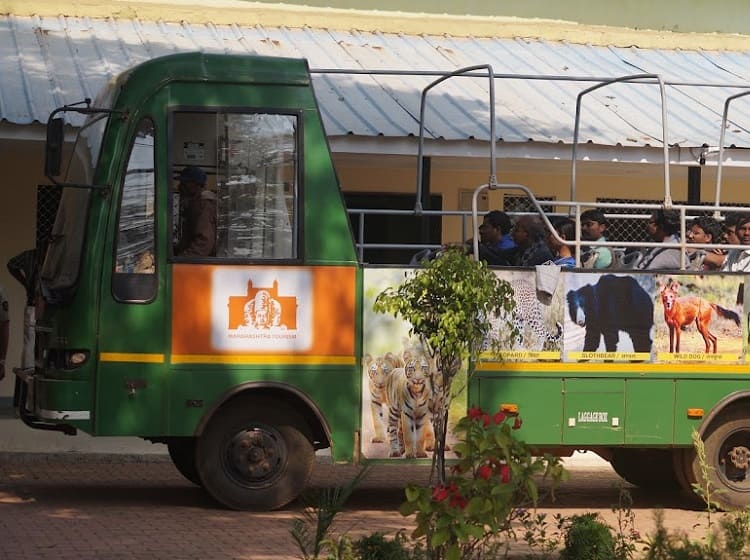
(727, 447)
(645, 468)
(682, 463)
(255, 455)
(182, 452)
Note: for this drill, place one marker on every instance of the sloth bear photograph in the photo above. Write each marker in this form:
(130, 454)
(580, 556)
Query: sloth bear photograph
(609, 305)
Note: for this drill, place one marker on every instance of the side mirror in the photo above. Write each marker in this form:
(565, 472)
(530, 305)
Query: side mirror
(54, 147)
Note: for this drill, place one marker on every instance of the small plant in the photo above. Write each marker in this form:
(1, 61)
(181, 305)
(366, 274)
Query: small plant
(494, 479)
(312, 532)
(339, 548)
(378, 547)
(664, 545)
(588, 538)
(542, 536)
(703, 488)
(626, 534)
(735, 528)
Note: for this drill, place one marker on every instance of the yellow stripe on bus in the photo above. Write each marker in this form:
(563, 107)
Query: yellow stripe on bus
(564, 368)
(257, 359)
(131, 357)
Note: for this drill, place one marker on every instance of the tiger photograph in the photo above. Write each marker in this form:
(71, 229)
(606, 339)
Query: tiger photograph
(401, 384)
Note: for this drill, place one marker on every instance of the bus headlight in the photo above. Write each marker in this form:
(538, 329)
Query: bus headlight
(76, 358)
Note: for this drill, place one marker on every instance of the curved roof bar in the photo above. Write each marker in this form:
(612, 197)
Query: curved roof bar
(642, 78)
(422, 104)
(722, 139)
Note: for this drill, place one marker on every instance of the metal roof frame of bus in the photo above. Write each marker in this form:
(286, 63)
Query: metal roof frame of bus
(492, 184)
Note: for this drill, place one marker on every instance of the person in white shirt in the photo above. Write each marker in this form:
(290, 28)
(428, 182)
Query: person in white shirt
(663, 227)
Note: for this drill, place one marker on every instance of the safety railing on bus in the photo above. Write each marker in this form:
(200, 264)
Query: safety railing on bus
(548, 211)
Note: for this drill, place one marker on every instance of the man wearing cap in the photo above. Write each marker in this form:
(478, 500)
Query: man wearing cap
(197, 215)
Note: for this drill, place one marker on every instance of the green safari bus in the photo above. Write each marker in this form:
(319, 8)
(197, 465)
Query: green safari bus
(248, 360)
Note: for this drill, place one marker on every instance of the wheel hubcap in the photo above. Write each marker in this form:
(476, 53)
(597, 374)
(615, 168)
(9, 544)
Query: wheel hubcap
(734, 460)
(256, 456)
(740, 457)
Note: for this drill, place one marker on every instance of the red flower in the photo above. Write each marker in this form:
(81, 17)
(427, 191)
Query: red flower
(440, 493)
(517, 423)
(499, 417)
(485, 472)
(474, 413)
(504, 474)
(457, 500)
(486, 420)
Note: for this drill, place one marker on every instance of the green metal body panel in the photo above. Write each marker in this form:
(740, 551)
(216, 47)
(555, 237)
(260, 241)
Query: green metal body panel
(594, 412)
(649, 411)
(704, 394)
(538, 398)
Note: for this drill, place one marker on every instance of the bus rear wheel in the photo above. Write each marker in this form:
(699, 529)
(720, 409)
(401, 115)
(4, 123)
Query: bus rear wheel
(646, 468)
(682, 462)
(182, 452)
(727, 451)
(255, 455)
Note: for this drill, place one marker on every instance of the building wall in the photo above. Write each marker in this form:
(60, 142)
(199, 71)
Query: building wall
(22, 163)
(666, 15)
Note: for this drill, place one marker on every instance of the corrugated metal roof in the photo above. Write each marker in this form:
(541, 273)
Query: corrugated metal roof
(46, 62)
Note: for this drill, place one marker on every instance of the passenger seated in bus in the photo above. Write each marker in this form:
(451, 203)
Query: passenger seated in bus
(663, 227)
(716, 259)
(529, 235)
(704, 229)
(197, 224)
(496, 246)
(730, 228)
(738, 260)
(593, 226)
(564, 255)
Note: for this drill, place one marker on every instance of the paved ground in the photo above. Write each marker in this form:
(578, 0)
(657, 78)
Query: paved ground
(87, 498)
(90, 506)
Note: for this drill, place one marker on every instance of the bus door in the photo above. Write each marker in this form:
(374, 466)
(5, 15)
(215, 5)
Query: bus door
(131, 325)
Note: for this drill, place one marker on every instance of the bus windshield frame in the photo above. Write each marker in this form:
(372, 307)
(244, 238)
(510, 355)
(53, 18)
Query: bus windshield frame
(62, 262)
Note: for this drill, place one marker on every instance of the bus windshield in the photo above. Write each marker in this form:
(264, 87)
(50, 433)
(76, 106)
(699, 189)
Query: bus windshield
(62, 262)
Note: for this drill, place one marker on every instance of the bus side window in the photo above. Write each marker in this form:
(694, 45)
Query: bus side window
(250, 162)
(134, 278)
(257, 186)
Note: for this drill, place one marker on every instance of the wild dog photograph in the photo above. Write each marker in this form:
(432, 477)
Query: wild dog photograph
(401, 385)
(608, 317)
(698, 318)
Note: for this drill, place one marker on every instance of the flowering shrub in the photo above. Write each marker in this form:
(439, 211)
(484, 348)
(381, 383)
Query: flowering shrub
(494, 478)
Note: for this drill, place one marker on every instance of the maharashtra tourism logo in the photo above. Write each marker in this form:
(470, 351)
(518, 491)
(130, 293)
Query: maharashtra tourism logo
(262, 313)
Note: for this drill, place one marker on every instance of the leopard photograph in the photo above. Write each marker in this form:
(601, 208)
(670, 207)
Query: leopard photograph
(538, 325)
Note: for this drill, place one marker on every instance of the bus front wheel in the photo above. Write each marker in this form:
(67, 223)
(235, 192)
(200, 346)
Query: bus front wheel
(727, 452)
(255, 455)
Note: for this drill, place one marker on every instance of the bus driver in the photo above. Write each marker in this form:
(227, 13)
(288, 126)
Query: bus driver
(197, 215)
